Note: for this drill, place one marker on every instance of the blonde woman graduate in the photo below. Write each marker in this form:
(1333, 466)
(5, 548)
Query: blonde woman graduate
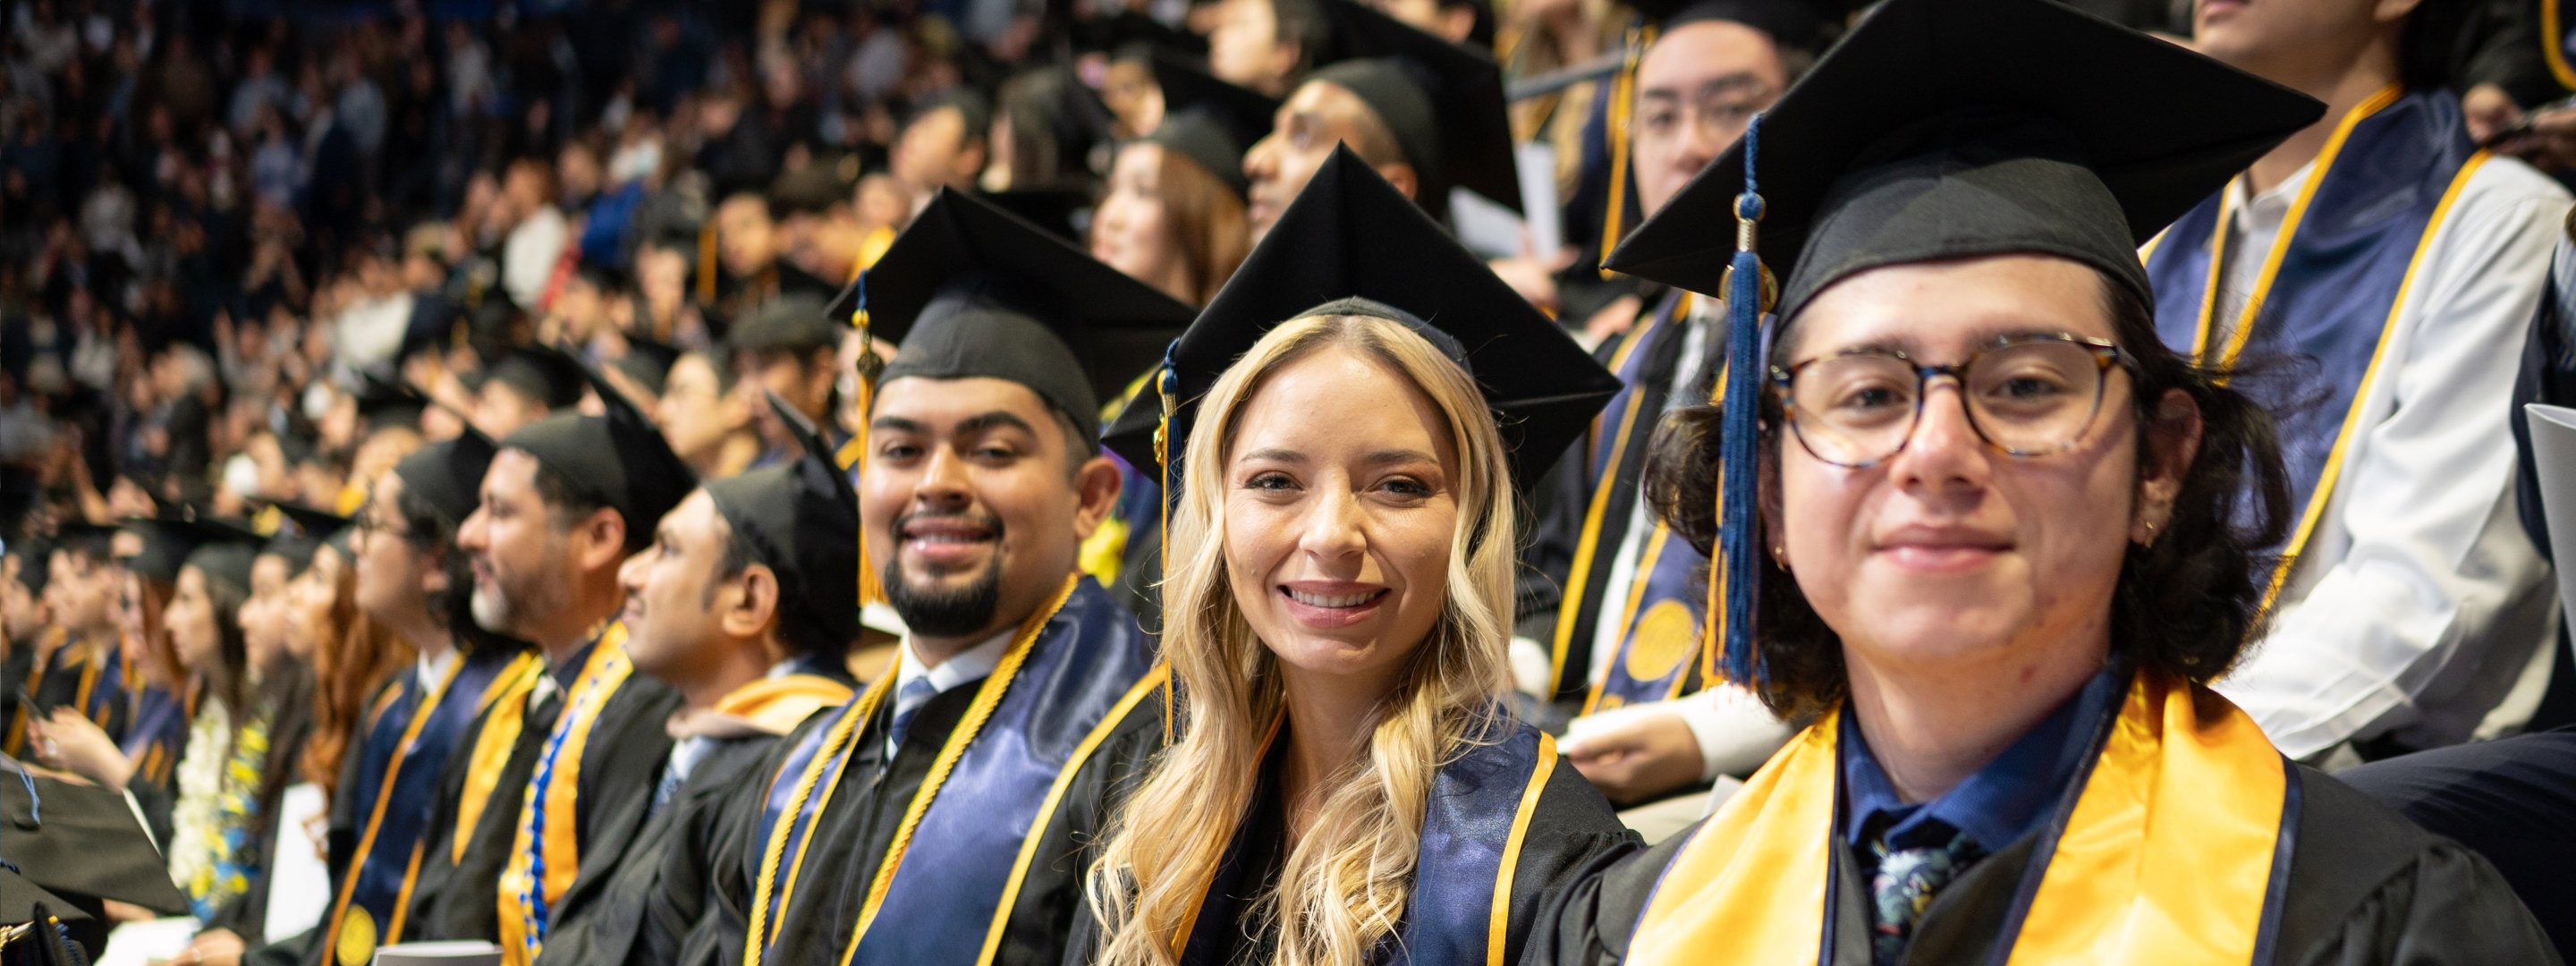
(2005, 540)
(1346, 786)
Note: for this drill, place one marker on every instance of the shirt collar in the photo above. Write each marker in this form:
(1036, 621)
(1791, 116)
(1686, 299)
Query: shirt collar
(2000, 802)
(971, 664)
(434, 670)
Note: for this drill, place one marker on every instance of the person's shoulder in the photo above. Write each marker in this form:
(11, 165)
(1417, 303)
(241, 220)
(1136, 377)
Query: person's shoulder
(2504, 182)
(2363, 877)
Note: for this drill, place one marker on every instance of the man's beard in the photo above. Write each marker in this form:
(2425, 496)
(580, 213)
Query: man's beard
(944, 613)
(504, 608)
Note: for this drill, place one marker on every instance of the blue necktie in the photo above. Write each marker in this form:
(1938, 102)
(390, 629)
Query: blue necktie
(908, 702)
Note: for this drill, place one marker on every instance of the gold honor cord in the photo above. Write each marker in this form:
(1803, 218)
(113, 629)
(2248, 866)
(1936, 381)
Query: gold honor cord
(988, 696)
(2553, 40)
(827, 755)
(1623, 98)
(340, 948)
(1498, 933)
(2289, 230)
(13, 743)
(1154, 679)
(1579, 574)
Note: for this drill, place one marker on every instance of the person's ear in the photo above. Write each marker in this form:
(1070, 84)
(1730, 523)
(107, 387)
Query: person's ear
(2173, 442)
(1401, 175)
(1097, 483)
(2390, 13)
(754, 606)
(604, 541)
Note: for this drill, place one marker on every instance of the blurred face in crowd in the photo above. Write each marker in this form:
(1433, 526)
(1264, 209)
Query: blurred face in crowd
(1245, 48)
(675, 600)
(500, 409)
(1338, 530)
(1129, 231)
(309, 600)
(661, 273)
(524, 190)
(745, 238)
(22, 611)
(1949, 553)
(264, 615)
(805, 381)
(1451, 23)
(395, 574)
(582, 305)
(190, 621)
(523, 556)
(695, 413)
(2306, 44)
(973, 502)
(1309, 124)
(1133, 97)
(578, 169)
(78, 592)
(1698, 88)
(937, 149)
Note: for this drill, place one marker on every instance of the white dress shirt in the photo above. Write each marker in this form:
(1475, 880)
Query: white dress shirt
(970, 665)
(2417, 601)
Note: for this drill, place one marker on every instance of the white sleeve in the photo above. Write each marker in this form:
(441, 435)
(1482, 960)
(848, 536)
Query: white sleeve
(1736, 734)
(2418, 589)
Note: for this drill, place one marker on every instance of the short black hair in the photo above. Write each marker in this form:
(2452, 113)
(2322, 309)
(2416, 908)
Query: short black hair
(570, 502)
(801, 635)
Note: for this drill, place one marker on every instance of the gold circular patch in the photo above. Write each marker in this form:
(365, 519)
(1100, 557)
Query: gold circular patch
(357, 943)
(1662, 640)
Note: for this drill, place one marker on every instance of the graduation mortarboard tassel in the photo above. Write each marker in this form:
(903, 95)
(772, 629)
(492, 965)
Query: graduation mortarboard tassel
(1941, 129)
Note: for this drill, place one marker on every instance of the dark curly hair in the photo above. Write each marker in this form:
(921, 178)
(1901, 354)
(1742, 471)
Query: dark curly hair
(2187, 605)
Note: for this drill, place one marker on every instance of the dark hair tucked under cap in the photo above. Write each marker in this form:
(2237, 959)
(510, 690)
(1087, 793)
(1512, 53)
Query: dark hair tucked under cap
(545, 374)
(223, 551)
(1443, 103)
(1349, 245)
(167, 539)
(1946, 129)
(385, 402)
(1208, 120)
(801, 519)
(972, 290)
(620, 459)
(791, 323)
(448, 475)
(308, 529)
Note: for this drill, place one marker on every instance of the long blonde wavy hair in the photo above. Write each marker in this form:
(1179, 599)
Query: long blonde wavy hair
(1346, 883)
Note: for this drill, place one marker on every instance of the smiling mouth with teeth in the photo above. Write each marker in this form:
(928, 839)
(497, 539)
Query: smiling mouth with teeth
(1336, 600)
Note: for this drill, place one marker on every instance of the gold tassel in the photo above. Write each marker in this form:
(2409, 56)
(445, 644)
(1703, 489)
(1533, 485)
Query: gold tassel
(1623, 97)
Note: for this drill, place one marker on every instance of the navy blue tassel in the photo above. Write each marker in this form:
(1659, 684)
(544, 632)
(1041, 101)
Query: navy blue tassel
(1739, 452)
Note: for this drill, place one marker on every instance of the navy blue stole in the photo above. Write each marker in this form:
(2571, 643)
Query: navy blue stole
(1472, 829)
(1615, 453)
(93, 683)
(944, 892)
(156, 733)
(403, 751)
(2336, 279)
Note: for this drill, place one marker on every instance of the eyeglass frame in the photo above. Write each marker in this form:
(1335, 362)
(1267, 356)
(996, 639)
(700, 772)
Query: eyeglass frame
(2106, 354)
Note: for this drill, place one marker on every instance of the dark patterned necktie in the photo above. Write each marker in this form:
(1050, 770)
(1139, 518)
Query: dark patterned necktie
(1903, 886)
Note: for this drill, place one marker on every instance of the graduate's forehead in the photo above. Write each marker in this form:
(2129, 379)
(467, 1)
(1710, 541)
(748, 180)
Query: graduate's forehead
(923, 404)
(1941, 310)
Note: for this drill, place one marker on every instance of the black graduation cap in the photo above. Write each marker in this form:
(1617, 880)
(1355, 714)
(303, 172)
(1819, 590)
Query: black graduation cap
(816, 187)
(1350, 240)
(309, 529)
(386, 402)
(35, 562)
(543, 374)
(78, 840)
(1443, 102)
(88, 537)
(619, 459)
(448, 474)
(1950, 128)
(972, 290)
(1943, 129)
(167, 540)
(223, 550)
(1210, 121)
(790, 323)
(1806, 25)
(801, 518)
(649, 363)
(1063, 209)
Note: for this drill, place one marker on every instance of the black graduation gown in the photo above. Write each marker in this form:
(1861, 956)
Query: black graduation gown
(856, 830)
(59, 686)
(2366, 886)
(1571, 828)
(640, 907)
(621, 761)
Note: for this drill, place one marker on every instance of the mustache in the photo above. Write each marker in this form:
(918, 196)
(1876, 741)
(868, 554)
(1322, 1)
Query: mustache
(982, 521)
